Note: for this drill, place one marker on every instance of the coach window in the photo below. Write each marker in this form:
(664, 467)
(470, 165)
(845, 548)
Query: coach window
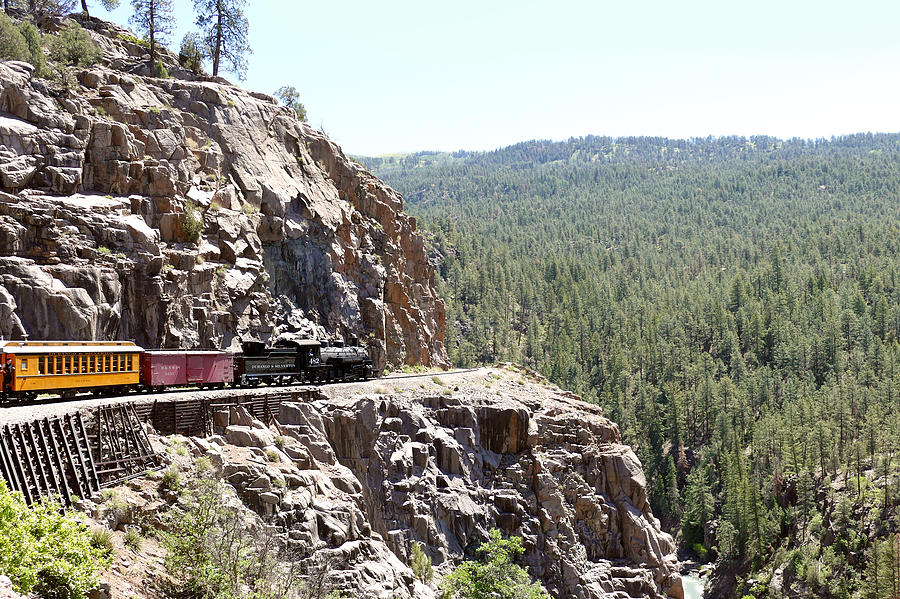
(93, 363)
(40, 364)
(59, 367)
(121, 363)
(24, 363)
(130, 363)
(83, 364)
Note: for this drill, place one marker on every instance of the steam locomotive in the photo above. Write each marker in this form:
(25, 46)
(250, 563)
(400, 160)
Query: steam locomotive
(66, 368)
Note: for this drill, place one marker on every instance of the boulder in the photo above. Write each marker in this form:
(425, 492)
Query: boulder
(246, 436)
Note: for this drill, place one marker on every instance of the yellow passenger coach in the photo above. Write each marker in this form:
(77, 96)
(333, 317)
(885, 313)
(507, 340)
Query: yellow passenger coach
(32, 367)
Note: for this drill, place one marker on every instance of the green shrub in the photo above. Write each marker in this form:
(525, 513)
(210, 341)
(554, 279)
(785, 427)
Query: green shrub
(45, 550)
(12, 45)
(160, 71)
(273, 456)
(420, 564)
(134, 40)
(701, 551)
(497, 577)
(32, 38)
(211, 553)
(74, 46)
(191, 222)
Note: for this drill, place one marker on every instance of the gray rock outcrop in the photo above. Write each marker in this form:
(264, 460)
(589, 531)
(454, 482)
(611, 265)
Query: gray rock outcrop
(363, 477)
(189, 213)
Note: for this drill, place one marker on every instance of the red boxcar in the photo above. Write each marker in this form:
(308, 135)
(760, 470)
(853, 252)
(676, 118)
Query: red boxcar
(175, 368)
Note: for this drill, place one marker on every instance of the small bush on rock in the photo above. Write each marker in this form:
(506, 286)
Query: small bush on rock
(44, 549)
(160, 71)
(170, 481)
(74, 46)
(420, 564)
(191, 222)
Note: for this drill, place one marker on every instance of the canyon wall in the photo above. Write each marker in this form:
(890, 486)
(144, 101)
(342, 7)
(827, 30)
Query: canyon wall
(187, 212)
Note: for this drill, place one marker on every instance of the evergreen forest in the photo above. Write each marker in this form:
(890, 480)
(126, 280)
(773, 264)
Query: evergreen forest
(732, 303)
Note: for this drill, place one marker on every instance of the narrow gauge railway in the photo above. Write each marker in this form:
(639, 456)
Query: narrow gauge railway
(66, 368)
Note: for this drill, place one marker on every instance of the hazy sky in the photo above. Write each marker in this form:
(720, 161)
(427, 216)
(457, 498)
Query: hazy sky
(399, 75)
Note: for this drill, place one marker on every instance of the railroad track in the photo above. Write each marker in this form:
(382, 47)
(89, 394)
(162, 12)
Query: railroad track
(55, 406)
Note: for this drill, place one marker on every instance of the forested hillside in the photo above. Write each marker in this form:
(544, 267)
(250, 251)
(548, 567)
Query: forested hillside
(734, 304)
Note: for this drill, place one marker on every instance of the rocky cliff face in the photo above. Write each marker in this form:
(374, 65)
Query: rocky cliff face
(189, 213)
(360, 475)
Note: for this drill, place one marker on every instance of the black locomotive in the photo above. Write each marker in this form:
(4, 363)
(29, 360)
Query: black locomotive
(301, 361)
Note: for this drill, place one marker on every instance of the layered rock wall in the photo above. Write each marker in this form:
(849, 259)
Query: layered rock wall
(190, 213)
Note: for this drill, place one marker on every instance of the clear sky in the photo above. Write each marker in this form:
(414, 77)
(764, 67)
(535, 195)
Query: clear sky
(400, 76)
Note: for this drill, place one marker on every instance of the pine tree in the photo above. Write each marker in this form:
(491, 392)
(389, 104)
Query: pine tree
(152, 18)
(107, 4)
(42, 8)
(224, 28)
(290, 97)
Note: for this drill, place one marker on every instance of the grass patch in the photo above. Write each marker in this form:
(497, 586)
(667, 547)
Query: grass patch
(203, 465)
(171, 480)
(101, 538)
(134, 540)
